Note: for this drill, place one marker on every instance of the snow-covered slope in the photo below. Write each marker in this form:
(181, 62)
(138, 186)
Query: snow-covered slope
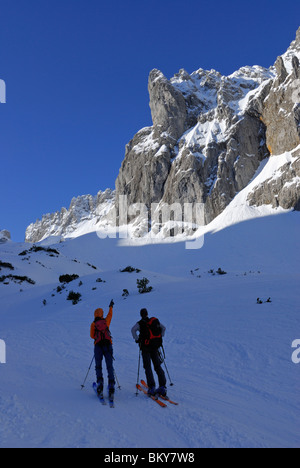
(229, 357)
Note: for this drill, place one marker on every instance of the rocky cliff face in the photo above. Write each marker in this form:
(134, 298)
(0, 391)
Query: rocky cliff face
(278, 107)
(65, 222)
(281, 190)
(209, 136)
(281, 108)
(207, 150)
(211, 132)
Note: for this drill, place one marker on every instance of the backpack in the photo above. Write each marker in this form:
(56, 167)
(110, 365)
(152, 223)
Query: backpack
(102, 333)
(151, 333)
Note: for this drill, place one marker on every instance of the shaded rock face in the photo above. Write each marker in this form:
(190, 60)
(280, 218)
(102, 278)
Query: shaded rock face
(146, 167)
(278, 106)
(228, 167)
(281, 111)
(283, 189)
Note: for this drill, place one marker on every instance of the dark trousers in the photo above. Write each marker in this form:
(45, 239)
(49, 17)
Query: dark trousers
(105, 351)
(152, 356)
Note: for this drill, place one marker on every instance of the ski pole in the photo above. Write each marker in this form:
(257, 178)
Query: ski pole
(171, 383)
(138, 376)
(119, 386)
(82, 386)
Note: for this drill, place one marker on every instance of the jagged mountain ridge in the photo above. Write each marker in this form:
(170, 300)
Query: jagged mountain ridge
(209, 136)
(83, 209)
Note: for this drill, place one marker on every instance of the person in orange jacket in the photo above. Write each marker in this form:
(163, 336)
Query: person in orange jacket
(103, 348)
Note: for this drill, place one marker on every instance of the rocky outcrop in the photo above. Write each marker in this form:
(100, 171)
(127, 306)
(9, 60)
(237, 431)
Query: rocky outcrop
(283, 189)
(211, 132)
(167, 104)
(203, 146)
(65, 222)
(4, 236)
(278, 106)
(281, 109)
(281, 112)
(146, 167)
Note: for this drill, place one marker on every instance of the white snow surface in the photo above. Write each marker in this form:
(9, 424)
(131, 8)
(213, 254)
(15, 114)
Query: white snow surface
(229, 357)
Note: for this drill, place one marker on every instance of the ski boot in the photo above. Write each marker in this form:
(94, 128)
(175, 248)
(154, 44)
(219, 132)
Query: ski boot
(151, 392)
(100, 389)
(111, 390)
(111, 394)
(161, 391)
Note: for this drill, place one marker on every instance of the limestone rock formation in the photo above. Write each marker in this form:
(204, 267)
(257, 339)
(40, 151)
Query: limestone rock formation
(202, 155)
(65, 222)
(210, 134)
(167, 104)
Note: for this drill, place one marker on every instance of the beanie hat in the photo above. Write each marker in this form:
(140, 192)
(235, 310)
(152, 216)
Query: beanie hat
(99, 313)
(144, 313)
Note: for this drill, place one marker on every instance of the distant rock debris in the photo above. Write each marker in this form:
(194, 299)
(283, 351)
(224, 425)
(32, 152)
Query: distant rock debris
(5, 236)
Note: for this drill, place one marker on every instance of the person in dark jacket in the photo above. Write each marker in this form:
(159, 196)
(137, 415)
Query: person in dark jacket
(150, 354)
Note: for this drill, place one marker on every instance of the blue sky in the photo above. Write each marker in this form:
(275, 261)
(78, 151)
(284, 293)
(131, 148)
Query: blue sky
(76, 74)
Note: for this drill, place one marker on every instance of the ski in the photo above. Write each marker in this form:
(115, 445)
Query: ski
(160, 403)
(100, 397)
(160, 396)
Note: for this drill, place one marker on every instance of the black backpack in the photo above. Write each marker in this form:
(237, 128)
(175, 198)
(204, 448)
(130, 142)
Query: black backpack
(150, 333)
